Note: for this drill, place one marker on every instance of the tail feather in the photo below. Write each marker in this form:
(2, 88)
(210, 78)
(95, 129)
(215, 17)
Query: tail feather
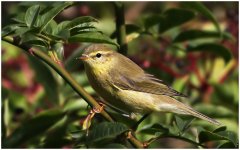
(169, 104)
(202, 116)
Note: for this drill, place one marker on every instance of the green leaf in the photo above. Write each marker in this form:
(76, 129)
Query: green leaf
(183, 125)
(61, 30)
(78, 22)
(33, 40)
(32, 15)
(57, 136)
(52, 37)
(64, 34)
(61, 26)
(81, 30)
(93, 37)
(153, 129)
(33, 127)
(48, 16)
(231, 136)
(173, 18)
(22, 30)
(37, 43)
(198, 34)
(11, 29)
(49, 29)
(198, 6)
(223, 128)
(227, 145)
(106, 131)
(213, 48)
(46, 78)
(152, 20)
(169, 19)
(20, 18)
(206, 136)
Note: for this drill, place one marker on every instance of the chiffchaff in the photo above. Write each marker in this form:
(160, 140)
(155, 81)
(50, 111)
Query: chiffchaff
(125, 86)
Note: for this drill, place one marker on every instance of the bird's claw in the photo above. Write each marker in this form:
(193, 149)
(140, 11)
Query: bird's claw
(99, 109)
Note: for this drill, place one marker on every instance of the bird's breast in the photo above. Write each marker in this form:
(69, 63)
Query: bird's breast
(99, 81)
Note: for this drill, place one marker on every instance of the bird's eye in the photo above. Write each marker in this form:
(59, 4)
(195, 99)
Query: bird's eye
(98, 55)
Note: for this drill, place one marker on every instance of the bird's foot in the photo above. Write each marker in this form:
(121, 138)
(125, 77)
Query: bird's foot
(87, 121)
(100, 108)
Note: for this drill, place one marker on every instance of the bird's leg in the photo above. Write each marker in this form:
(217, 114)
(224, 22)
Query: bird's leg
(135, 126)
(87, 121)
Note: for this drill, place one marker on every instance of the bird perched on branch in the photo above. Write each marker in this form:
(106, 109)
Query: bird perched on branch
(125, 86)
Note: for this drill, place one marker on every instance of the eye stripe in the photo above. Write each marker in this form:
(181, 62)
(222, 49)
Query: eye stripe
(103, 53)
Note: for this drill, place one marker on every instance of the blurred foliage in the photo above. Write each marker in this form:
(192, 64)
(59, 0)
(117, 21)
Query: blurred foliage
(192, 46)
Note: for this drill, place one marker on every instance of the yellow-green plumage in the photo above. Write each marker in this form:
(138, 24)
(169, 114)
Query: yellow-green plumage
(124, 85)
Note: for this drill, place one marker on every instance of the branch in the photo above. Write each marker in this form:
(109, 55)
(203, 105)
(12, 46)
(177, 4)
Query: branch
(120, 27)
(176, 137)
(61, 71)
(69, 79)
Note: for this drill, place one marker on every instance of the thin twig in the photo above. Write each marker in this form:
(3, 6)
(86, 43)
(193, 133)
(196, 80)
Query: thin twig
(120, 27)
(65, 75)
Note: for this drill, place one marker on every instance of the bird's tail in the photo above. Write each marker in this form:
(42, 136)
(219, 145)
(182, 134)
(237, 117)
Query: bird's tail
(197, 114)
(169, 104)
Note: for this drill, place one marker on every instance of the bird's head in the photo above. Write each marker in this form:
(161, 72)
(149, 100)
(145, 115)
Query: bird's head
(98, 56)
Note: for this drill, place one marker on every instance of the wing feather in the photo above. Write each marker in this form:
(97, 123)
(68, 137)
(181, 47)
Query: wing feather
(138, 80)
(147, 86)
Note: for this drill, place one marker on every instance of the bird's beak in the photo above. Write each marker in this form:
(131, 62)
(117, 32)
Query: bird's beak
(84, 57)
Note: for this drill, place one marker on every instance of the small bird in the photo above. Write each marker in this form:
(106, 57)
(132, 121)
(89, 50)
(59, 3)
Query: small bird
(125, 86)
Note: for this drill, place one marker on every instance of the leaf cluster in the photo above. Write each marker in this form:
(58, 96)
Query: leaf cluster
(37, 27)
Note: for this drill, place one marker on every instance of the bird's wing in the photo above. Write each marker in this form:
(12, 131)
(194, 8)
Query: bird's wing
(144, 83)
(134, 78)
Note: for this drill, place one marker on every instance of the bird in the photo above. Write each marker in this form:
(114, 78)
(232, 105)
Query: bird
(125, 86)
